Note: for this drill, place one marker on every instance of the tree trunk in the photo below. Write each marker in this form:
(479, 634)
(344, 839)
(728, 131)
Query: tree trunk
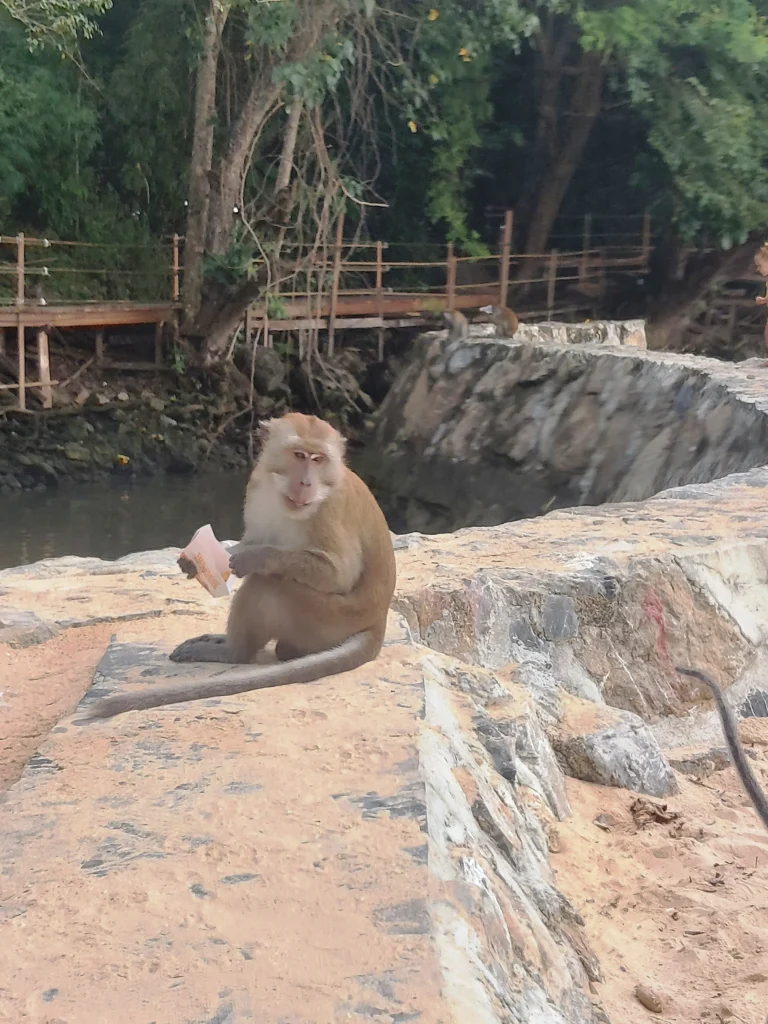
(233, 167)
(213, 312)
(262, 100)
(586, 103)
(200, 163)
(289, 146)
(677, 305)
(228, 317)
(553, 45)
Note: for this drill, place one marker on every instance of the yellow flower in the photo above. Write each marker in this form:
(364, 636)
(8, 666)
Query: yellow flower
(465, 54)
(122, 460)
(433, 79)
(413, 126)
(434, 14)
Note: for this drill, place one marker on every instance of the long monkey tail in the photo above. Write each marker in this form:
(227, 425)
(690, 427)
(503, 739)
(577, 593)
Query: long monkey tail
(731, 733)
(353, 652)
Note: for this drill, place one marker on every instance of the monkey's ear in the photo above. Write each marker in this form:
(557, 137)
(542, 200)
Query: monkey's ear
(264, 428)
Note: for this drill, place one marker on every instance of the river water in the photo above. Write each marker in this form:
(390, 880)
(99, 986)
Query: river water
(111, 519)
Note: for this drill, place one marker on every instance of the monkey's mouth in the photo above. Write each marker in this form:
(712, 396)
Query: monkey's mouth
(296, 506)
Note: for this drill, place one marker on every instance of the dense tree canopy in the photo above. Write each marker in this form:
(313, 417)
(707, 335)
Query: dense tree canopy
(248, 125)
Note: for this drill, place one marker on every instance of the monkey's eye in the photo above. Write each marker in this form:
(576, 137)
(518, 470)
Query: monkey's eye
(318, 458)
(300, 454)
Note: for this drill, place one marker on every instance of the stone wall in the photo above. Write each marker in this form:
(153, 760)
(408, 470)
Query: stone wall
(415, 800)
(487, 431)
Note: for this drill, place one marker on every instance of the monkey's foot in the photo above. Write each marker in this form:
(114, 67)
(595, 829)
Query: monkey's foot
(208, 647)
(286, 652)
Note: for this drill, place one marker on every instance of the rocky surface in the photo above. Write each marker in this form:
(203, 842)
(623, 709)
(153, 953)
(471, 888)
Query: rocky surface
(489, 431)
(378, 846)
(590, 332)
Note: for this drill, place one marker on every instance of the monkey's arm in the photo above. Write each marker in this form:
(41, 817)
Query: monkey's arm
(312, 568)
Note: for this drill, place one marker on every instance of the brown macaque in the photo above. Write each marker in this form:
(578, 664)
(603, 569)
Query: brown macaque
(731, 732)
(761, 265)
(458, 326)
(319, 571)
(504, 319)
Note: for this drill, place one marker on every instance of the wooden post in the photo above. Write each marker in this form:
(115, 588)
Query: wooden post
(248, 326)
(22, 365)
(506, 250)
(44, 369)
(2, 341)
(380, 295)
(100, 348)
(731, 324)
(175, 291)
(551, 283)
(451, 277)
(646, 238)
(159, 343)
(586, 241)
(267, 338)
(335, 283)
(19, 270)
(20, 339)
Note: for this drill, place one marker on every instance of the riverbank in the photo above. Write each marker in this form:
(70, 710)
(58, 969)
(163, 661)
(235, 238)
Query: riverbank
(118, 424)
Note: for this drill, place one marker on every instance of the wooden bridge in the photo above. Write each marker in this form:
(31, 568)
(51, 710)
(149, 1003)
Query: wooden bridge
(47, 285)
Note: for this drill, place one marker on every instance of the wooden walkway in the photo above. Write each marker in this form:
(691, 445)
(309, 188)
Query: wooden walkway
(344, 292)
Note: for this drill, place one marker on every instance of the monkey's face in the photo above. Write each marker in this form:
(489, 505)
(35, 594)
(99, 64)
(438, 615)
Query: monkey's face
(304, 478)
(305, 459)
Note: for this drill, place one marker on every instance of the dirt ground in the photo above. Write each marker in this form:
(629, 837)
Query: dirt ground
(680, 906)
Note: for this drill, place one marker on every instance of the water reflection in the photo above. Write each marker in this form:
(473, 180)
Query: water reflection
(111, 519)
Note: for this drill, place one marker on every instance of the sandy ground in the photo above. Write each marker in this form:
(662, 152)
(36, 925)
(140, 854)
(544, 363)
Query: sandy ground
(40, 685)
(225, 912)
(681, 906)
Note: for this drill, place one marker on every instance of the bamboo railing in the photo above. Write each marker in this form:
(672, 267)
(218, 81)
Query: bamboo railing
(47, 284)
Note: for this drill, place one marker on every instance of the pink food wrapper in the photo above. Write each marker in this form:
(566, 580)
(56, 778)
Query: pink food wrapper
(211, 560)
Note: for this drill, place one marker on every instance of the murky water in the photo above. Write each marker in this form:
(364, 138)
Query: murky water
(114, 518)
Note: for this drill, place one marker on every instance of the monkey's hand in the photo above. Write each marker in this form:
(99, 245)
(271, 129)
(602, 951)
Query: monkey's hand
(315, 569)
(187, 566)
(761, 300)
(245, 559)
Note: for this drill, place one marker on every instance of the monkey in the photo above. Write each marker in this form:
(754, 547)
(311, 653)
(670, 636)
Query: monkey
(458, 326)
(761, 265)
(504, 319)
(731, 732)
(319, 568)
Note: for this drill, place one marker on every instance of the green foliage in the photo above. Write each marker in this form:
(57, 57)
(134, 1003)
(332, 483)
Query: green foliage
(464, 106)
(698, 73)
(56, 23)
(49, 128)
(98, 149)
(446, 94)
(149, 93)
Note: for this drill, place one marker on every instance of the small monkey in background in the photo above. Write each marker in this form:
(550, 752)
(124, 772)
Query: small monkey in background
(731, 732)
(320, 573)
(458, 326)
(761, 265)
(504, 319)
